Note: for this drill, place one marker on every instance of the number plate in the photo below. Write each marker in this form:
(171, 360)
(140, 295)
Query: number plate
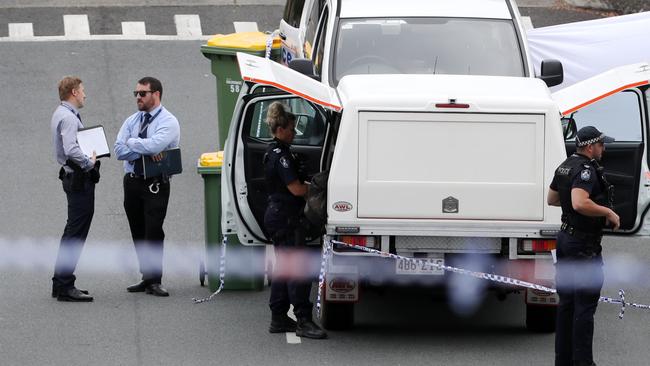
(420, 267)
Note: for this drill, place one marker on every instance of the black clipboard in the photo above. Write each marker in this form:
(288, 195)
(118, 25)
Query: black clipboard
(93, 139)
(169, 165)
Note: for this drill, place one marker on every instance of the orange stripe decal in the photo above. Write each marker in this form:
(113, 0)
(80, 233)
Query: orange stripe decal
(287, 89)
(640, 83)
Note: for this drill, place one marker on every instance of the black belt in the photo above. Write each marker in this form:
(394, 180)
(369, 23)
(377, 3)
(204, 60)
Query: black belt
(582, 235)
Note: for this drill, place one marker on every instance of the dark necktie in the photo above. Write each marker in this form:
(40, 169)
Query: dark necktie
(144, 125)
(78, 116)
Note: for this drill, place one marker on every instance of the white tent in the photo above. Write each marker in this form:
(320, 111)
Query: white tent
(592, 47)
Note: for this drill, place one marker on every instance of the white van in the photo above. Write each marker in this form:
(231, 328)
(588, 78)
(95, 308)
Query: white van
(440, 165)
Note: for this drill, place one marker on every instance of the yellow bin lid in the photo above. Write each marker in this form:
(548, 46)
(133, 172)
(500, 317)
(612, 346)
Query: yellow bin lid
(246, 41)
(211, 159)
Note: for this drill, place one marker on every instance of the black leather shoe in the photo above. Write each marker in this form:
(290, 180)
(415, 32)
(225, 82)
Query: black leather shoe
(55, 291)
(281, 323)
(156, 290)
(73, 295)
(308, 329)
(138, 287)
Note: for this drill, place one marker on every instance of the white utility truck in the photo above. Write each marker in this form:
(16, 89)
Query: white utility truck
(440, 143)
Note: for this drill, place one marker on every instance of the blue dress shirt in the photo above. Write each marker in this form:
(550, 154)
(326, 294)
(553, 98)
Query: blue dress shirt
(162, 133)
(64, 126)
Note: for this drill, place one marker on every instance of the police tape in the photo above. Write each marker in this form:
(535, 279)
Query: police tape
(222, 274)
(269, 43)
(321, 276)
(328, 249)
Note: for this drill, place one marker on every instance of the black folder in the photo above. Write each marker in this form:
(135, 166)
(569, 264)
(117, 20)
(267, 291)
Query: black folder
(169, 165)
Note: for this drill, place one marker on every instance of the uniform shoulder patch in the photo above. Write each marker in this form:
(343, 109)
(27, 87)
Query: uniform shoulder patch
(277, 150)
(285, 162)
(585, 175)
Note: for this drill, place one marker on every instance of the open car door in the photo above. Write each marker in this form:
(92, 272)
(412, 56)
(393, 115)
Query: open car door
(616, 102)
(244, 193)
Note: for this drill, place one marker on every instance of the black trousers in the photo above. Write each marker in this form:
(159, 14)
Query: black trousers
(145, 204)
(579, 279)
(292, 279)
(81, 207)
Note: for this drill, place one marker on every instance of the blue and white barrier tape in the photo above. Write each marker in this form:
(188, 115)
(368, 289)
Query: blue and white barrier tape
(222, 273)
(269, 43)
(327, 251)
(321, 276)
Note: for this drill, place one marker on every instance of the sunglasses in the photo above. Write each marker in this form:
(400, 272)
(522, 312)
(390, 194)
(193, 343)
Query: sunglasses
(142, 93)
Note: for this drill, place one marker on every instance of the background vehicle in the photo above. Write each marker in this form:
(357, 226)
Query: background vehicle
(451, 163)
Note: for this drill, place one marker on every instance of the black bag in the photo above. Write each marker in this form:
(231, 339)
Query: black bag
(315, 212)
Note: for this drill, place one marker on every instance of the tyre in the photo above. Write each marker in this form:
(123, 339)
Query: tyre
(541, 318)
(337, 316)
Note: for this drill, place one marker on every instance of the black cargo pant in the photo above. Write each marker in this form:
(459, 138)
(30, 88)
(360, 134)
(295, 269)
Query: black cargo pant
(579, 279)
(290, 286)
(81, 208)
(145, 204)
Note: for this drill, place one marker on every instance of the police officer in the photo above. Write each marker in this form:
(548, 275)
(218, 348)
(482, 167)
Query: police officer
(585, 196)
(286, 192)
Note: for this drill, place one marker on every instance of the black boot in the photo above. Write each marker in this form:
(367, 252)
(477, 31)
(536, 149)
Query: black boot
(308, 329)
(281, 323)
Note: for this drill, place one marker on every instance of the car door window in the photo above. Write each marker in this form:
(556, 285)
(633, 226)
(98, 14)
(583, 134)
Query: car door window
(310, 123)
(310, 27)
(293, 12)
(618, 116)
(320, 43)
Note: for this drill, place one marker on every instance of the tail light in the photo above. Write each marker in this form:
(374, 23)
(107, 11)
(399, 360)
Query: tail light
(538, 245)
(362, 241)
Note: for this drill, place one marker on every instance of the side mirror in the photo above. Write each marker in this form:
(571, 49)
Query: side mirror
(304, 66)
(552, 72)
(569, 128)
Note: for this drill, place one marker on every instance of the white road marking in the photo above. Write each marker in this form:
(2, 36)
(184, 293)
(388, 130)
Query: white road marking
(292, 338)
(21, 30)
(76, 26)
(245, 27)
(527, 23)
(188, 25)
(134, 29)
(105, 37)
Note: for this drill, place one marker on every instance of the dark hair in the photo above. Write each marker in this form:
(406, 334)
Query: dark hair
(67, 85)
(154, 84)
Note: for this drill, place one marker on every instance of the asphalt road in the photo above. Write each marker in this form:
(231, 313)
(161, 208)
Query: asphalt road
(399, 327)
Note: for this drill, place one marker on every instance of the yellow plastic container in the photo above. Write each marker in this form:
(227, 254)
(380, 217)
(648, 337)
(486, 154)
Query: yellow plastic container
(211, 159)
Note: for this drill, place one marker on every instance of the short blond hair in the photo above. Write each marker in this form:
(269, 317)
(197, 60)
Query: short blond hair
(277, 116)
(67, 85)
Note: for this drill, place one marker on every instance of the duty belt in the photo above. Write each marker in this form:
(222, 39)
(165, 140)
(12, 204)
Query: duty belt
(582, 235)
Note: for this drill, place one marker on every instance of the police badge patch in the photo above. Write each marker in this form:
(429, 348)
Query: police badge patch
(284, 162)
(585, 175)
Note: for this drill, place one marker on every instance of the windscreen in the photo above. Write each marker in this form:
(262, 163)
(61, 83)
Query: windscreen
(459, 46)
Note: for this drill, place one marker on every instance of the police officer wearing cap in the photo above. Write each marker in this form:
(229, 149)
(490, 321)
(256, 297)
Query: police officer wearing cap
(286, 189)
(585, 196)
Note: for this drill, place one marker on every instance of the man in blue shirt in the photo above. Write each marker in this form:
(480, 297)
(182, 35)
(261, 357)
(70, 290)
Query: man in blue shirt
(78, 174)
(144, 135)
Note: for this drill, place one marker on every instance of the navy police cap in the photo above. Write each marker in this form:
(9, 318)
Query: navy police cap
(590, 135)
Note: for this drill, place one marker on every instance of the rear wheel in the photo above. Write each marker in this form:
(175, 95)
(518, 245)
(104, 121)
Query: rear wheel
(337, 316)
(540, 318)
